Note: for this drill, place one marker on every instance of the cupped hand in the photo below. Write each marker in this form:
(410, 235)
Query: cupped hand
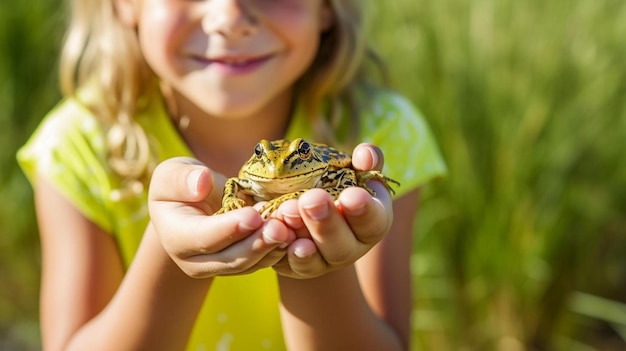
(183, 195)
(332, 235)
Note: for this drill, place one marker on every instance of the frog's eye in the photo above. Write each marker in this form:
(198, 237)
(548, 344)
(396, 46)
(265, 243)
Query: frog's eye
(258, 150)
(304, 150)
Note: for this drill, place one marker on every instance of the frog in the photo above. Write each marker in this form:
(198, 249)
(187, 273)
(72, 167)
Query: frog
(281, 170)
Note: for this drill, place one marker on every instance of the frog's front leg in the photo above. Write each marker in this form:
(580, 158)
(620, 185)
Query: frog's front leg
(273, 204)
(230, 201)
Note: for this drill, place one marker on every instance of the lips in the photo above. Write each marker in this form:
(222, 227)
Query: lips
(237, 62)
(233, 64)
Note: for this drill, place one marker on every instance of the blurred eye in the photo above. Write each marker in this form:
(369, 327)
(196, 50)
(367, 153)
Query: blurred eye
(304, 150)
(258, 150)
(273, 6)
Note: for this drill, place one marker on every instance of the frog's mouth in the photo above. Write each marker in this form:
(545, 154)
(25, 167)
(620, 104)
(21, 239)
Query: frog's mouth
(284, 185)
(279, 177)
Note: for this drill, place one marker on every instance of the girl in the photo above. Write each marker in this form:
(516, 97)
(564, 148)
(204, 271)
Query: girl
(192, 86)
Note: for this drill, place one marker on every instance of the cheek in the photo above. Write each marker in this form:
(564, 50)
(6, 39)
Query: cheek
(161, 30)
(293, 17)
(300, 30)
(305, 48)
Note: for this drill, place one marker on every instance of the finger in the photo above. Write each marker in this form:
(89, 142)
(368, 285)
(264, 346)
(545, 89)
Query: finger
(186, 180)
(369, 217)
(366, 157)
(180, 179)
(247, 255)
(289, 213)
(303, 260)
(184, 233)
(271, 258)
(328, 229)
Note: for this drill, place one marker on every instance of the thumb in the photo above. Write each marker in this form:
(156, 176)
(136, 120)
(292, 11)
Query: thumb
(367, 157)
(180, 179)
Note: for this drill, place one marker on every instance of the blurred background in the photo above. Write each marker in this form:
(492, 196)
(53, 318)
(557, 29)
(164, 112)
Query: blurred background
(521, 247)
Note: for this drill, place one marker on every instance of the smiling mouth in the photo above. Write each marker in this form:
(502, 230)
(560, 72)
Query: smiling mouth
(239, 62)
(234, 61)
(232, 66)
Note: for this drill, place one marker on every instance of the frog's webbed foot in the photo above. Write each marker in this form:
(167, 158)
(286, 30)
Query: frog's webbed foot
(231, 203)
(364, 177)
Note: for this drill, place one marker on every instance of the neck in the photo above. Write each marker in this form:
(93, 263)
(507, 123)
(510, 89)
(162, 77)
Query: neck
(225, 143)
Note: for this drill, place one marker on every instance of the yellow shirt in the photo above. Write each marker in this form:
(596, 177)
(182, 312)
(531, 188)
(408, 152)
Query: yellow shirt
(241, 312)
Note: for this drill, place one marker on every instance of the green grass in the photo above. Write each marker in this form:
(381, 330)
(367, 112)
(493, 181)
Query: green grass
(528, 102)
(30, 33)
(521, 247)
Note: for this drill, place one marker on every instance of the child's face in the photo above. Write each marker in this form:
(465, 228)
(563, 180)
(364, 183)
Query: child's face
(231, 57)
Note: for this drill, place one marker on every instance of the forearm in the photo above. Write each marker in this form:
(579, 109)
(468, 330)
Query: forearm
(154, 309)
(330, 313)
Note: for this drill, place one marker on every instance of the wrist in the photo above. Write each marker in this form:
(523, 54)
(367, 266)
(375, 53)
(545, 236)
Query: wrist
(337, 279)
(152, 257)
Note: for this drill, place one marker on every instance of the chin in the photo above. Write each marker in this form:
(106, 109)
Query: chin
(232, 108)
(230, 111)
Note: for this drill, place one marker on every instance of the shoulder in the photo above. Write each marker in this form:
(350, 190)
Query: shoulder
(384, 104)
(68, 150)
(382, 108)
(393, 123)
(387, 113)
(389, 99)
(389, 116)
(68, 123)
(67, 138)
(67, 144)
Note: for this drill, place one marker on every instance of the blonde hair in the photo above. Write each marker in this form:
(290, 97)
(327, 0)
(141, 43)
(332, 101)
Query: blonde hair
(337, 74)
(101, 52)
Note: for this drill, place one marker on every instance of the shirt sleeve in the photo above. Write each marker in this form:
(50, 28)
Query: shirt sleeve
(67, 149)
(412, 156)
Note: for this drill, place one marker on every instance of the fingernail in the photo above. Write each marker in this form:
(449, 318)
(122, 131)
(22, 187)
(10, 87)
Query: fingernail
(317, 212)
(268, 237)
(293, 220)
(356, 211)
(192, 180)
(247, 227)
(301, 252)
(374, 157)
(273, 241)
(271, 235)
(290, 215)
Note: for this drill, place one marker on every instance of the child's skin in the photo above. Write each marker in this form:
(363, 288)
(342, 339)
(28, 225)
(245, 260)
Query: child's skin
(228, 65)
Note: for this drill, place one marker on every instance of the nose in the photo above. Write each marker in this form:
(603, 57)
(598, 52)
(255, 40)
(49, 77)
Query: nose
(230, 18)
